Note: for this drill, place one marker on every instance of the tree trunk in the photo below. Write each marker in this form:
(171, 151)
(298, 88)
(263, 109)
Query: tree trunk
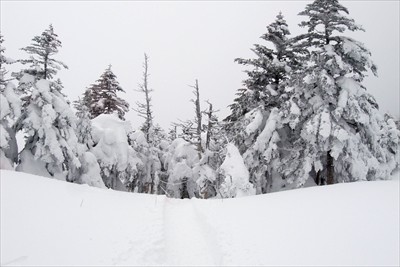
(198, 119)
(330, 179)
(146, 90)
(45, 66)
(209, 126)
(318, 178)
(184, 190)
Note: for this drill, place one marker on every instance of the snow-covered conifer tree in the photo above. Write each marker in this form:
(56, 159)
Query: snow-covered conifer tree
(4, 61)
(101, 97)
(51, 146)
(10, 109)
(48, 121)
(42, 63)
(84, 125)
(254, 121)
(339, 124)
(90, 171)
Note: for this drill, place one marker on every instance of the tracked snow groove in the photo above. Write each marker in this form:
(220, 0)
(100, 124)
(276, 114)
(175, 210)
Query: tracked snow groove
(187, 241)
(150, 248)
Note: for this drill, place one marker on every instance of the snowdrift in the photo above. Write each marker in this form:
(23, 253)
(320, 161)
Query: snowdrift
(50, 222)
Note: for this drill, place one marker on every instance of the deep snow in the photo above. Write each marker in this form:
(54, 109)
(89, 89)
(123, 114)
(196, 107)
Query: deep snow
(50, 222)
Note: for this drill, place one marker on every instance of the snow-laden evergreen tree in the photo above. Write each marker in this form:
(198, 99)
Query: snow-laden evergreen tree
(10, 109)
(51, 147)
(339, 126)
(90, 171)
(84, 125)
(255, 115)
(101, 97)
(269, 69)
(47, 119)
(42, 63)
(3, 62)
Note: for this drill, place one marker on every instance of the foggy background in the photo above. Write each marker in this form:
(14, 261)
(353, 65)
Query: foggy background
(184, 41)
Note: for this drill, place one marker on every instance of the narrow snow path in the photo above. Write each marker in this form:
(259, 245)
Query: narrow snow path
(187, 241)
(149, 247)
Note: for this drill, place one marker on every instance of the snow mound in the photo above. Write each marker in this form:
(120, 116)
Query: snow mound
(110, 134)
(236, 176)
(46, 222)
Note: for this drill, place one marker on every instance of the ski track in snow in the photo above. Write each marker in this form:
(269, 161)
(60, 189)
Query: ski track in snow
(152, 246)
(187, 239)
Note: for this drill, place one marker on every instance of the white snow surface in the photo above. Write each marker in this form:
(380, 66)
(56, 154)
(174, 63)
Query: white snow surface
(46, 222)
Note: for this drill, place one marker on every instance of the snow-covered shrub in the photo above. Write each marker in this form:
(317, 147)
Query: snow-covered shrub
(117, 159)
(236, 176)
(90, 170)
(181, 158)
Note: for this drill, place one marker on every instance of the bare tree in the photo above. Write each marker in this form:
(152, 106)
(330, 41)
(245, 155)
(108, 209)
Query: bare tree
(212, 120)
(197, 119)
(144, 109)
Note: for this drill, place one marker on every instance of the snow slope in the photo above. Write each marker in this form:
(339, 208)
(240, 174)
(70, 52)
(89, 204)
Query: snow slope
(50, 222)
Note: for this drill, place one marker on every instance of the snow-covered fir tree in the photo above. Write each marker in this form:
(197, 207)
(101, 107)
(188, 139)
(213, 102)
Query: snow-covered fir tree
(42, 63)
(84, 125)
(51, 147)
(10, 109)
(90, 171)
(47, 120)
(3, 62)
(254, 121)
(101, 97)
(338, 125)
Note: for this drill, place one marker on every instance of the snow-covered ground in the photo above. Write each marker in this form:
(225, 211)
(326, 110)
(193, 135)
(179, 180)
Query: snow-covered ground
(49, 222)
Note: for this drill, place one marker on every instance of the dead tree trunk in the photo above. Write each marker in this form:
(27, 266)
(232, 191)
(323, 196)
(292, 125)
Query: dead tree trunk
(144, 111)
(209, 125)
(196, 101)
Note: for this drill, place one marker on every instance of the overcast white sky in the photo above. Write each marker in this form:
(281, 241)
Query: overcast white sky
(185, 41)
